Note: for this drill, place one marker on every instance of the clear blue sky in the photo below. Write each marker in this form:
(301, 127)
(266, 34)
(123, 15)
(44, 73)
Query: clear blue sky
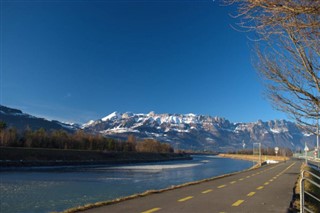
(81, 60)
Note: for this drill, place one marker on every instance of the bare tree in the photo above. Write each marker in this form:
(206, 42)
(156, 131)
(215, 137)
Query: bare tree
(286, 34)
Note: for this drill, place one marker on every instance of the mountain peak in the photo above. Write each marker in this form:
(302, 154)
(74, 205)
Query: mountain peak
(114, 115)
(7, 110)
(185, 131)
(192, 131)
(15, 118)
(91, 122)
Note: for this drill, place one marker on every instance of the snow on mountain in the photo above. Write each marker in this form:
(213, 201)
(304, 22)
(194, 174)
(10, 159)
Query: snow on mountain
(69, 125)
(91, 122)
(114, 115)
(182, 131)
(192, 131)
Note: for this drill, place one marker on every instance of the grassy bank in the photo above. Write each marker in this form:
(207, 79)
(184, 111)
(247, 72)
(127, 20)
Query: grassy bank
(254, 157)
(57, 157)
(309, 201)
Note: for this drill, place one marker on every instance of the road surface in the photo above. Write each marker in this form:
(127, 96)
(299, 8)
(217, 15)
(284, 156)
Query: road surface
(263, 190)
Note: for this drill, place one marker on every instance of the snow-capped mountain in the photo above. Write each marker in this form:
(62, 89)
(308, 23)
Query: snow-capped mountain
(19, 120)
(190, 131)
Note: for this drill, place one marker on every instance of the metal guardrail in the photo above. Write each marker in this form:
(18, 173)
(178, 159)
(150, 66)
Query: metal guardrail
(303, 207)
(309, 159)
(314, 165)
(309, 154)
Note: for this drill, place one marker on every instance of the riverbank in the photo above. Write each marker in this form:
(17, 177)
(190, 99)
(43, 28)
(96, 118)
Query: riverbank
(254, 158)
(73, 186)
(20, 157)
(218, 194)
(156, 191)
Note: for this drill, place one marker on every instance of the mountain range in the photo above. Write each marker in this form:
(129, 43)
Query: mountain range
(19, 120)
(182, 131)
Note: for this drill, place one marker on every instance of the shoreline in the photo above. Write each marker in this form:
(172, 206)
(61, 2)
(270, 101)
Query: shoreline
(25, 164)
(149, 192)
(33, 157)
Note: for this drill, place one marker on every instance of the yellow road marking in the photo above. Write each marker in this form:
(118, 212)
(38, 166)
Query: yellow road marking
(260, 187)
(248, 176)
(290, 166)
(250, 194)
(241, 179)
(185, 199)
(266, 183)
(237, 203)
(232, 182)
(151, 210)
(207, 191)
(219, 187)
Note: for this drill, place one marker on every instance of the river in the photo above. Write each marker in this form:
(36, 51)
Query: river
(56, 189)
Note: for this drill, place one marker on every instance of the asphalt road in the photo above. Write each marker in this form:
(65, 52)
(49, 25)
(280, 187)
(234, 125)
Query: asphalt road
(263, 190)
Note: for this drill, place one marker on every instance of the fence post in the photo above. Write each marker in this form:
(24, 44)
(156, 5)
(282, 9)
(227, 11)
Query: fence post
(302, 192)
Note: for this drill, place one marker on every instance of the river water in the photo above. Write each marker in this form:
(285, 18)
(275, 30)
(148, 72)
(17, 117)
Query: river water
(55, 189)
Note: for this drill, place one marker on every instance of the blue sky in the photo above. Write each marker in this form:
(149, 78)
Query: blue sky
(81, 60)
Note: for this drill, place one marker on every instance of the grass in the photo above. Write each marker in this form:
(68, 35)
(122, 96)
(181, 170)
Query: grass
(255, 157)
(311, 203)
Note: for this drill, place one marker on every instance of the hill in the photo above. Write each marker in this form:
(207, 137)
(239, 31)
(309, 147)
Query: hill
(15, 118)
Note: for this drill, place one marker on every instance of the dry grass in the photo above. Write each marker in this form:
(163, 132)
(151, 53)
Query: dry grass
(254, 157)
(311, 204)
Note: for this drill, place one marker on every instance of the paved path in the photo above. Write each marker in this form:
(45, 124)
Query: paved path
(267, 189)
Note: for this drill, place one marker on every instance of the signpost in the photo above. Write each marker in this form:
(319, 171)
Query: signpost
(306, 149)
(276, 149)
(258, 152)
